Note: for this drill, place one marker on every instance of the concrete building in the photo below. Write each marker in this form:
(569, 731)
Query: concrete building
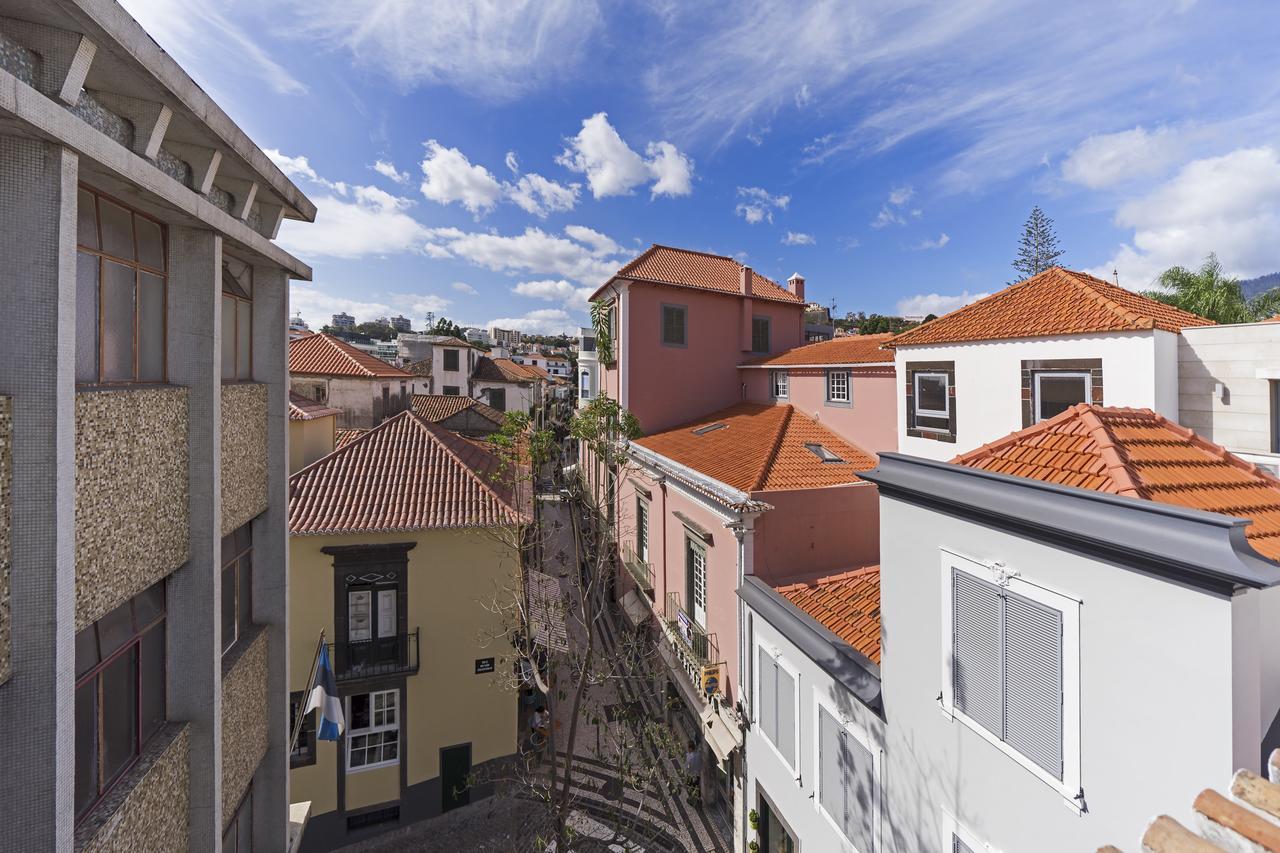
(143, 398)
(504, 337)
(298, 327)
(399, 589)
(505, 385)
(365, 388)
(343, 321)
(401, 323)
(464, 415)
(312, 431)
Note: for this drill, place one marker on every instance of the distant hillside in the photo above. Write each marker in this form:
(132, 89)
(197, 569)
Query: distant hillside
(1253, 286)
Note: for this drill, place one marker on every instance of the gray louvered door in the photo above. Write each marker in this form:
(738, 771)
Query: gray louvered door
(1033, 681)
(768, 713)
(786, 739)
(977, 650)
(831, 771)
(846, 781)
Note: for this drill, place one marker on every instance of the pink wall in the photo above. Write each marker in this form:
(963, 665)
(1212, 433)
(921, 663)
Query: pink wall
(814, 532)
(668, 386)
(871, 422)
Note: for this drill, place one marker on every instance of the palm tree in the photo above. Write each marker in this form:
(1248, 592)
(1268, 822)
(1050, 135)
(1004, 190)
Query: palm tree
(1206, 291)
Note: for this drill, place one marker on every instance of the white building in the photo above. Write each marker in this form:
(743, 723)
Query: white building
(401, 323)
(343, 321)
(504, 337)
(588, 379)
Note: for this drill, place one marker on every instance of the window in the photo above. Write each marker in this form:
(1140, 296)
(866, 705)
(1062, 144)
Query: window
(588, 344)
(120, 693)
(1011, 665)
(822, 453)
(121, 293)
(775, 836)
(1056, 392)
(237, 319)
(933, 398)
(958, 839)
(838, 386)
(776, 706)
(304, 749)
(585, 393)
(696, 581)
(760, 334)
(238, 836)
(848, 779)
(498, 398)
(237, 584)
(451, 359)
(703, 430)
(373, 739)
(642, 529)
(780, 381)
(452, 390)
(675, 321)
(320, 394)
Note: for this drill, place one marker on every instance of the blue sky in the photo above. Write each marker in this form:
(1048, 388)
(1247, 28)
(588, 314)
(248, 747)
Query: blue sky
(496, 161)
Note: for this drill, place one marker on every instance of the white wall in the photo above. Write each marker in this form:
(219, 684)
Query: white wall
(989, 382)
(1232, 356)
(453, 378)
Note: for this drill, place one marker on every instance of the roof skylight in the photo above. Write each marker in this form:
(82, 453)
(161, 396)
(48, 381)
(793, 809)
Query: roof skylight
(703, 430)
(823, 453)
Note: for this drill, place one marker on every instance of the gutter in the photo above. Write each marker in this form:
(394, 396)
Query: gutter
(732, 498)
(816, 366)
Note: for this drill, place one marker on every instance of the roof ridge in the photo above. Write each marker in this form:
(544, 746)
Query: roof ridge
(838, 577)
(1113, 453)
(446, 440)
(333, 342)
(772, 456)
(991, 297)
(1089, 285)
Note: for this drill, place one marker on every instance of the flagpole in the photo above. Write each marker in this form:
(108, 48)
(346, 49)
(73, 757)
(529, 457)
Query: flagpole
(297, 723)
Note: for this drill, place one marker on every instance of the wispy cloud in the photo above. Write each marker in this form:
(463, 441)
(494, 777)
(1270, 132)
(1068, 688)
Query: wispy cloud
(463, 287)
(925, 304)
(758, 204)
(925, 245)
(892, 212)
(797, 238)
(388, 170)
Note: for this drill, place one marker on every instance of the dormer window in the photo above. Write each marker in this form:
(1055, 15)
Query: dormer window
(823, 453)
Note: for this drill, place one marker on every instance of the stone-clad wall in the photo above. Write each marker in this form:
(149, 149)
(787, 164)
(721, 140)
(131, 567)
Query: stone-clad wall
(147, 811)
(244, 453)
(244, 721)
(131, 493)
(6, 518)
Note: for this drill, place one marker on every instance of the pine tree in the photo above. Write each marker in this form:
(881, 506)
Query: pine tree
(1038, 249)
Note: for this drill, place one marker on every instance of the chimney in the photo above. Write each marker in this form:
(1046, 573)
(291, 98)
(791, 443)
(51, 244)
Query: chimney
(745, 282)
(1116, 275)
(795, 284)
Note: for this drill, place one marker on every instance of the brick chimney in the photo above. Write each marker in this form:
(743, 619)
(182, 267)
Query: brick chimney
(745, 282)
(795, 284)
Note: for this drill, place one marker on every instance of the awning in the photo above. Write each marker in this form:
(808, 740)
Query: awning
(637, 611)
(721, 733)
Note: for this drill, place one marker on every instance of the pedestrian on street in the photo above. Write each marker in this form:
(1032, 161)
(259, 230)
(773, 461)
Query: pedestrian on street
(693, 773)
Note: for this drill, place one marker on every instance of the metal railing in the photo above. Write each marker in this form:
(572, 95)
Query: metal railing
(693, 643)
(375, 658)
(641, 570)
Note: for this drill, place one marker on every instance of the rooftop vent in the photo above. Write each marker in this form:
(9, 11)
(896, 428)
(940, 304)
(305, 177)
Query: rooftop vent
(822, 453)
(703, 430)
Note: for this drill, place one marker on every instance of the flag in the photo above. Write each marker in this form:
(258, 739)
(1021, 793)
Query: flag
(324, 695)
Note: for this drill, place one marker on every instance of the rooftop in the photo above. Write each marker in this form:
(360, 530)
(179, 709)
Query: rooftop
(345, 435)
(438, 407)
(1055, 302)
(325, 355)
(502, 370)
(1140, 454)
(404, 474)
(847, 604)
(851, 349)
(305, 409)
(701, 271)
(755, 447)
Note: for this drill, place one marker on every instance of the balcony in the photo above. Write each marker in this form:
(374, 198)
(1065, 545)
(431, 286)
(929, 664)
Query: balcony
(355, 660)
(640, 569)
(691, 642)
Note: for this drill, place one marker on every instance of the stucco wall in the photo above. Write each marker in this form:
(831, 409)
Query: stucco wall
(244, 721)
(814, 532)
(131, 493)
(1146, 682)
(359, 399)
(988, 382)
(148, 809)
(1232, 356)
(244, 453)
(6, 539)
(308, 441)
(871, 422)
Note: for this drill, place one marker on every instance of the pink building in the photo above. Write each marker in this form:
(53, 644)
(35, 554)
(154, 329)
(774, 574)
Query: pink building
(846, 384)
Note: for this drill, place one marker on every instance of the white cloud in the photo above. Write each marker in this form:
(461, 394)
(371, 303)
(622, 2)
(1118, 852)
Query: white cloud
(796, 238)
(534, 251)
(448, 176)
(535, 194)
(1113, 158)
(890, 212)
(494, 50)
(463, 287)
(942, 240)
(898, 196)
(936, 303)
(513, 163)
(318, 307)
(803, 96)
(556, 290)
(599, 244)
(542, 321)
(613, 168)
(1228, 204)
(887, 216)
(758, 204)
(388, 169)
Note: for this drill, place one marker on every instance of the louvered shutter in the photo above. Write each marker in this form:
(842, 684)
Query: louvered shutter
(976, 650)
(831, 774)
(1033, 681)
(846, 781)
(958, 846)
(768, 697)
(786, 731)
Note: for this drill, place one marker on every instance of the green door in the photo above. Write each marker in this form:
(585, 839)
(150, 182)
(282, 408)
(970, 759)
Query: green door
(455, 776)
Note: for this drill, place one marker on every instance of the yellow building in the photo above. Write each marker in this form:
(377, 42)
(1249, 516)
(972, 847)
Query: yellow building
(397, 540)
(312, 428)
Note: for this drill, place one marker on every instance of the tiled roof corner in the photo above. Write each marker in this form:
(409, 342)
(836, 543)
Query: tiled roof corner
(850, 349)
(325, 355)
(438, 407)
(698, 270)
(305, 409)
(345, 435)
(847, 604)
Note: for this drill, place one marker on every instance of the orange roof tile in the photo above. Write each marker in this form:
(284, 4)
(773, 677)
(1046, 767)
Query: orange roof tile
(699, 270)
(344, 436)
(305, 409)
(1138, 453)
(437, 407)
(760, 448)
(501, 370)
(1055, 302)
(850, 349)
(1275, 319)
(404, 474)
(847, 604)
(325, 355)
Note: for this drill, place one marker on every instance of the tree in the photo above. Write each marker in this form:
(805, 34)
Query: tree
(445, 326)
(1211, 294)
(1038, 248)
(377, 331)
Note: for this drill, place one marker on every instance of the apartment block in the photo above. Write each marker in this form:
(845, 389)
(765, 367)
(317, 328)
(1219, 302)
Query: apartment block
(143, 399)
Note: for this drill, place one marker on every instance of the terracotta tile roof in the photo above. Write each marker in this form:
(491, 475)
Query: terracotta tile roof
(404, 474)
(305, 409)
(501, 370)
(1138, 453)
(535, 370)
(761, 447)
(437, 407)
(419, 368)
(325, 355)
(1275, 319)
(850, 349)
(344, 436)
(1055, 302)
(699, 270)
(848, 604)
(451, 341)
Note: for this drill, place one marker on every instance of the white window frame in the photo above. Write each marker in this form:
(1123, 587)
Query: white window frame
(1069, 606)
(946, 397)
(848, 387)
(863, 737)
(776, 654)
(952, 827)
(780, 384)
(1059, 374)
(351, 734)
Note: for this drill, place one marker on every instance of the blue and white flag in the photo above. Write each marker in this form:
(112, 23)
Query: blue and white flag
(324, 695)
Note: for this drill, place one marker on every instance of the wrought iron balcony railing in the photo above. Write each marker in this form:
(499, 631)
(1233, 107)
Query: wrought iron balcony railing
(641, 570)
(375, 658)
(692, 640)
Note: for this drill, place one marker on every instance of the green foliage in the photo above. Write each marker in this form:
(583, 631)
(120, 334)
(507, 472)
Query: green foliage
(1213, 295)
(875, 324)
(445, 326)
(600, 314)
(1038, 247)
(603, 420)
